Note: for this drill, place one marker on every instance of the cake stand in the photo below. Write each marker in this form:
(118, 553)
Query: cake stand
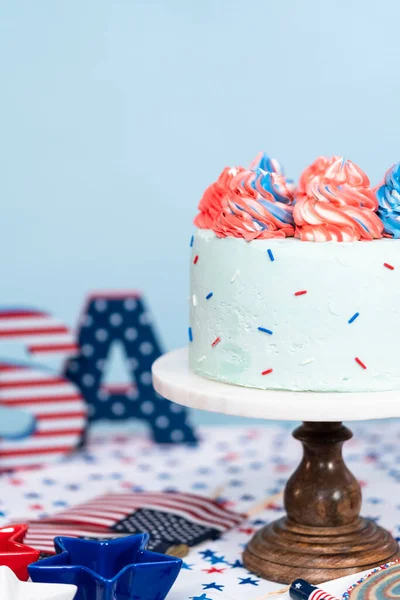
(322, 536)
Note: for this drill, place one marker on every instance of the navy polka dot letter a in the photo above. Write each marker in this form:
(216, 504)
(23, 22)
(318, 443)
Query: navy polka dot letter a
(122, 319)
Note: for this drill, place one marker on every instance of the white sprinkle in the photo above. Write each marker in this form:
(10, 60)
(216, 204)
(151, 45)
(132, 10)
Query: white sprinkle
(194, 300)
(235, 275)
(334, 309)
(201, 358)
(341, 261)
(308, 361)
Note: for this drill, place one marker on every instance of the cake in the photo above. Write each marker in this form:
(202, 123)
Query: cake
(297, 288)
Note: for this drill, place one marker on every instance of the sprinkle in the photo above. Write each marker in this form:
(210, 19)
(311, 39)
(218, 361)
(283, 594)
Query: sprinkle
(194, 300)
(191, 241)
(300, 293)
(308, 361)
(270, 254)
(216, 341)
(196, 258)
(201, 359)
(267, 372)
(190, 334)
(388, 266)
(235, 275)
(210, 295)
(333, 309)
(264, 330)
(360, 362)
(354, 317)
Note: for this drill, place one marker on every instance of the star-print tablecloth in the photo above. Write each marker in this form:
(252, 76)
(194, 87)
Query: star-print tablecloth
(242, 466)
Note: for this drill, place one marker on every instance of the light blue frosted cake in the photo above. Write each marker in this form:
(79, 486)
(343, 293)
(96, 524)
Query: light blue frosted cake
(272, 309)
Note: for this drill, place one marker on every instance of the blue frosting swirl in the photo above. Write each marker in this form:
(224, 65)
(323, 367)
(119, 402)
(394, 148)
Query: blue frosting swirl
(388, 195)
(274, 183)
(277, 187)
(266, 163)
(268, 182)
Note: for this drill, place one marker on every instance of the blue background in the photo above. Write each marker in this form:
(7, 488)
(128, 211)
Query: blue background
(116, 115)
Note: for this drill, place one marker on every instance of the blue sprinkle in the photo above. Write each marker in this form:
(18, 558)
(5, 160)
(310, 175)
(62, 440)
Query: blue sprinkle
(271, 255)
(210, 295)
(354, 317)
(190, 334)
(265, 330)
(191, 241)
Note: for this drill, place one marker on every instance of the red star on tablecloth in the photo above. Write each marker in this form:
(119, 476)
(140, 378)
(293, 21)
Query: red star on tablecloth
(213, 570)
(246, 530)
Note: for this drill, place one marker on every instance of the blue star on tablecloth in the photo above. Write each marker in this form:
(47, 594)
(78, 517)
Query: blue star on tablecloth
(213, 586)
(60, 503)
(72, 487)
(247, 498)
(207, 553)
(202, 597)
(248, 580)
(258, 522)
(214, 560)
(237, 565)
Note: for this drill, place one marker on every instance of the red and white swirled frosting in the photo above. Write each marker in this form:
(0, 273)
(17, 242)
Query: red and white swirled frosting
(251, 211)
(336, 203)
(316, 169)
(210, 204)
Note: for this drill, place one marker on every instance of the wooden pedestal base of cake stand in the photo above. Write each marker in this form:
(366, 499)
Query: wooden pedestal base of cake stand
(322, 536)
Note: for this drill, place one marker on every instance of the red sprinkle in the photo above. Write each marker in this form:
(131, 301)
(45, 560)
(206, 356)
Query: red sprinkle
(267, 372)
(300, 293)
(216, 341)
(360, 362)
(388, 266)
(196, 258)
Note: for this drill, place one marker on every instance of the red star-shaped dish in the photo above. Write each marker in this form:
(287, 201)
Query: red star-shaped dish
(13, 553)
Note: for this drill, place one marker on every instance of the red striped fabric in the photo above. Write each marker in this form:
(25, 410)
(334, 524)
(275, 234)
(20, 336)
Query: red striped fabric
(41, 536)
(104, 510)
(96, 517)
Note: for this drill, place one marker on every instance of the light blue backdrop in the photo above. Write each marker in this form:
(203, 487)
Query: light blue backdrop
(116, 115)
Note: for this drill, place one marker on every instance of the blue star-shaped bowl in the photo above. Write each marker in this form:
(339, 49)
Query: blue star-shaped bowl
(120, 569)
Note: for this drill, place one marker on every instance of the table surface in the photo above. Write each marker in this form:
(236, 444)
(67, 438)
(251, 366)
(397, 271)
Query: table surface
(173, 380)
(245, 466)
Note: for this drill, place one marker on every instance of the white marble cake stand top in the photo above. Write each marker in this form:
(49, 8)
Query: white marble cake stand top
(173, 380)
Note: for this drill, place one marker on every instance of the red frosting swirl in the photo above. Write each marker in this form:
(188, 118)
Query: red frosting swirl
(250, 211)
(336, 204)
(210, 204)
(316, 169)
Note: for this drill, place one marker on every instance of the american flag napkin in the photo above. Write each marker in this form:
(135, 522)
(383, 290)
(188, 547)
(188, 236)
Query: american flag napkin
(174, 521)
